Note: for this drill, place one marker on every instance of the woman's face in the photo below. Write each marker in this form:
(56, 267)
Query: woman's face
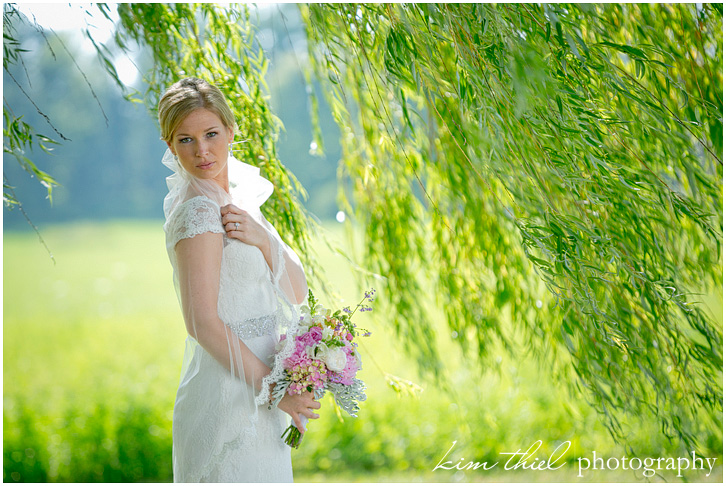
(201, 144)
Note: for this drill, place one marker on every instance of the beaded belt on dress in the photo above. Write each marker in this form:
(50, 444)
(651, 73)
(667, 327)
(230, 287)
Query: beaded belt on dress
(255, 327)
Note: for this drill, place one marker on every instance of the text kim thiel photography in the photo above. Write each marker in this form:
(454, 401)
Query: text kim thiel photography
(530, 460)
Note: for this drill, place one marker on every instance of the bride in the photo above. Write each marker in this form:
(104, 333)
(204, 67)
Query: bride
(238, 285)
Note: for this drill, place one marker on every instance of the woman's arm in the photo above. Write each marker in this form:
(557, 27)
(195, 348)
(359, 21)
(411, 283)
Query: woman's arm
(199, 262)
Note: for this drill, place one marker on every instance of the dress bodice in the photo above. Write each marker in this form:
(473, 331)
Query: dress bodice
(247, 302)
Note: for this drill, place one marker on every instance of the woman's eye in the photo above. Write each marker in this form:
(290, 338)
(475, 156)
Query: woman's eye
(185, 140)
(212, 134)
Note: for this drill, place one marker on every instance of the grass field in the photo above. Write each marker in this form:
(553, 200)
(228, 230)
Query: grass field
(92, 353)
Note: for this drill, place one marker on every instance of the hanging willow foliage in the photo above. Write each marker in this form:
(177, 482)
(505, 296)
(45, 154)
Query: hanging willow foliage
(557, 171)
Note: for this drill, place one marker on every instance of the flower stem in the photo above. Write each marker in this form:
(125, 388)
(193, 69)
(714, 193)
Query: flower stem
(292, 437)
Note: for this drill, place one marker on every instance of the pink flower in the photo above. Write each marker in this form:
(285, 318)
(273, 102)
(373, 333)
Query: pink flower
(303, 339)
(316, 333)
(298, 357)
(312, 337)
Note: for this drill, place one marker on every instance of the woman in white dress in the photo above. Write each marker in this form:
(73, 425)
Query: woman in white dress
(239, 286)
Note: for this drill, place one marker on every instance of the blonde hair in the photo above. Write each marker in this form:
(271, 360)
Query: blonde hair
(187, 95)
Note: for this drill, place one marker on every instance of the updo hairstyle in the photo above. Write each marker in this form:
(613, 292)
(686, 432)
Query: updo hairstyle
(187, 95)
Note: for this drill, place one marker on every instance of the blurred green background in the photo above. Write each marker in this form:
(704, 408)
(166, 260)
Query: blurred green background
(92, 353)
(93, 343)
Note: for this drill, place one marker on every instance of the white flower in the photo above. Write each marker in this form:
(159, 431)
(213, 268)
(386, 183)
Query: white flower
(321, 350)
(335, 359)
(358, 360)
(327, 332)
(305, 314)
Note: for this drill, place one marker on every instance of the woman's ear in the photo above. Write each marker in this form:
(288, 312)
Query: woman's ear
(169, 145)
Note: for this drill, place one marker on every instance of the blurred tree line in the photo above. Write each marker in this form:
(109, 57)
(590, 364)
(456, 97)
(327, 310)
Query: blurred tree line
(110, 168)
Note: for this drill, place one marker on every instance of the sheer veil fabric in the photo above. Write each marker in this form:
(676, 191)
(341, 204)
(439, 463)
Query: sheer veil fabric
(223, 429)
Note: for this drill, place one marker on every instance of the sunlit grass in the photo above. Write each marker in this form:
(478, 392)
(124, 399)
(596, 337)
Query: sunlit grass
(92, 353)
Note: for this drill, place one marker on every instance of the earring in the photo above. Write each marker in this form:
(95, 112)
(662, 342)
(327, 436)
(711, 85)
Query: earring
(230, 151)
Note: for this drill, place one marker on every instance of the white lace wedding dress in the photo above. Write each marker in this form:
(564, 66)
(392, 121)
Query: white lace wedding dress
(222, 432)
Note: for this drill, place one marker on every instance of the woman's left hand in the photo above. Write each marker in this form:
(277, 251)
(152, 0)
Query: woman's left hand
(241, 225)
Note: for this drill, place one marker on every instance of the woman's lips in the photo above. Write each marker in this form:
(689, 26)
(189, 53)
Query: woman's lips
(206, 165)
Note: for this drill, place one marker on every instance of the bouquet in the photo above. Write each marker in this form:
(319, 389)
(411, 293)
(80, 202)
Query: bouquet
(325, 358)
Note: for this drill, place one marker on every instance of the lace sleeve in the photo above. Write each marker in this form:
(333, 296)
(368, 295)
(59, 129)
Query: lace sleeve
(193, 217)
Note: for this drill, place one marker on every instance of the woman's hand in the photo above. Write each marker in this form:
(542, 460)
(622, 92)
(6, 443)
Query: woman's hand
(297, 405)
(239, 224)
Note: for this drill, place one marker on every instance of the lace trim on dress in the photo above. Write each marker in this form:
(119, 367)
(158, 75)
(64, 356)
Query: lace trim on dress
(278, 368)
(193, 217)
